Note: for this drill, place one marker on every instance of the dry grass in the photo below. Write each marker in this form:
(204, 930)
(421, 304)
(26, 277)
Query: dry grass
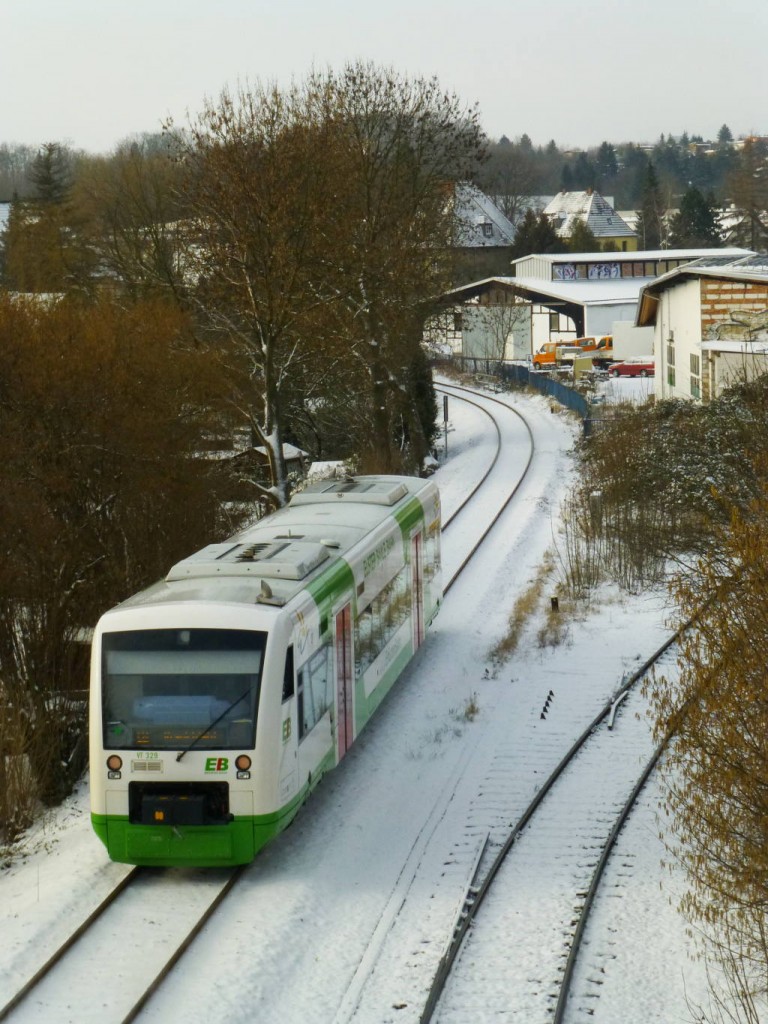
(524, 608)
(18, 788)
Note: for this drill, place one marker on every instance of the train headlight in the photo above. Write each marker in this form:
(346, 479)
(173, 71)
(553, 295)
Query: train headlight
(242, 763)
(114, 762)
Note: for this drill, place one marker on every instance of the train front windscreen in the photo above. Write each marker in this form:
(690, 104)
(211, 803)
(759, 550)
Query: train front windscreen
(179, 689)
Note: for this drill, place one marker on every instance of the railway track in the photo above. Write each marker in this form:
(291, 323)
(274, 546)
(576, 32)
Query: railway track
(508, 485)
(122, 948)
(506, 493)
(135, 909)
(532, 896)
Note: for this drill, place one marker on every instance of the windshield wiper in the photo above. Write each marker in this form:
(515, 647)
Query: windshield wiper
(213, 723)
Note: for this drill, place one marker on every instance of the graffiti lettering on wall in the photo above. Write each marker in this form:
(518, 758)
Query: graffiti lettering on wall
(742, 325)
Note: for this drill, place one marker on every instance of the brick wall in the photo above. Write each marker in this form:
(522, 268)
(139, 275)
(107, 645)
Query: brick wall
(720, 297)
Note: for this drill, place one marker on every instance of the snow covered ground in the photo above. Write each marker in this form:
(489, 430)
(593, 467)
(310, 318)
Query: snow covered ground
(345, 915)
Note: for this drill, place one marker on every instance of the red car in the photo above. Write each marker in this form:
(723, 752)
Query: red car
(637, 367)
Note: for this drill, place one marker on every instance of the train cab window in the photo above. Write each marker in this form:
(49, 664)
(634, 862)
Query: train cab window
(168, 689)
(288, 684)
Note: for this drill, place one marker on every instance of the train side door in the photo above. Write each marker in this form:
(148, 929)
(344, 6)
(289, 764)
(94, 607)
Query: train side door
(344, 680)
(417, 589)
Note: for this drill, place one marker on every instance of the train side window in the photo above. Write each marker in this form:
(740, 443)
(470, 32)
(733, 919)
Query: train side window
(314, 689)
(288, 684)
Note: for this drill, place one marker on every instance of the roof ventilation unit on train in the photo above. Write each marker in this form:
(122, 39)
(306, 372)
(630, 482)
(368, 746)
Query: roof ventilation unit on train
(361, 490)
(288, 560)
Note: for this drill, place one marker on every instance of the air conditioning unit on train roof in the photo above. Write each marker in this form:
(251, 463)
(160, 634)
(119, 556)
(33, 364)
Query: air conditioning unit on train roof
(360, 490)
(284, 559)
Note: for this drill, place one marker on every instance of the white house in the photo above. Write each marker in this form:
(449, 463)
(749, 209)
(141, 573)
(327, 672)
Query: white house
(710, 321)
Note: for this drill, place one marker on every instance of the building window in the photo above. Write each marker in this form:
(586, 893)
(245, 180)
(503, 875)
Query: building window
(695, 376)
(670, 353)
(487, 230)
(554, 321)
(671, 376)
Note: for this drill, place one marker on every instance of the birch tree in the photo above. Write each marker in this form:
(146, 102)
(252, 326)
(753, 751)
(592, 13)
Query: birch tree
(255, 192)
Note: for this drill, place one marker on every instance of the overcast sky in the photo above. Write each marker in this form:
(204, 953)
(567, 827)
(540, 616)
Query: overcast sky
(92, 72)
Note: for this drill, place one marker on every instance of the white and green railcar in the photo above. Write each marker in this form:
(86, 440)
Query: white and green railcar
(222, 694)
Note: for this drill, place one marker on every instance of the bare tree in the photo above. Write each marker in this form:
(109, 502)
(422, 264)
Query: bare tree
(400, 145)
(510, 176)
(716, 775)
(255, 191)
(104, 409)
(321, 230)
(128, 220)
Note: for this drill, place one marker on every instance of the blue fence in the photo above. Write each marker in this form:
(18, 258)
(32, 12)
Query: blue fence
(516, 373)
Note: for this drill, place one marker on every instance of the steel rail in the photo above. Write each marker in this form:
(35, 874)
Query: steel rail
(132, 876)
(184, 945)
(489, 470)
(511, 494)
(597, 877)
(476, 893)
(73, 939)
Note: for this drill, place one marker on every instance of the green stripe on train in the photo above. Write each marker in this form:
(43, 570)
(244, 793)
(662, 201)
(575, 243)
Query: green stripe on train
(198, 845)
(409, 515)
(336, 580)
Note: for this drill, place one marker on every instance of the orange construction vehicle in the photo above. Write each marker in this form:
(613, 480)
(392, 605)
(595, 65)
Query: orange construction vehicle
(551, 352)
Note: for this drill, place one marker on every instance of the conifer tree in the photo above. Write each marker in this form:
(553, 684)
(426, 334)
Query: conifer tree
(583, 238)
(747, 187)
(650, 221)
(535, 234)
(696, 225)
(37, 243)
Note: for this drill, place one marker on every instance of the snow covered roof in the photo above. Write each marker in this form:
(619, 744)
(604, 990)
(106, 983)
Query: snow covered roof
(609, 290)
(480, 222)
(634, 257)
(290, 451)
(589, 207)
(746, 266)
(749, 348)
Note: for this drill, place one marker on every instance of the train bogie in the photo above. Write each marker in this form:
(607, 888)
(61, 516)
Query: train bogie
(223, 694)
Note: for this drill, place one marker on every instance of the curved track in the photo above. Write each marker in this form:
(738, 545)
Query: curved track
(575, 875)
(509, 488)
(503, 484)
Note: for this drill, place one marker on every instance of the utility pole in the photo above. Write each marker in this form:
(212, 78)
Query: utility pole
(445, 424)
